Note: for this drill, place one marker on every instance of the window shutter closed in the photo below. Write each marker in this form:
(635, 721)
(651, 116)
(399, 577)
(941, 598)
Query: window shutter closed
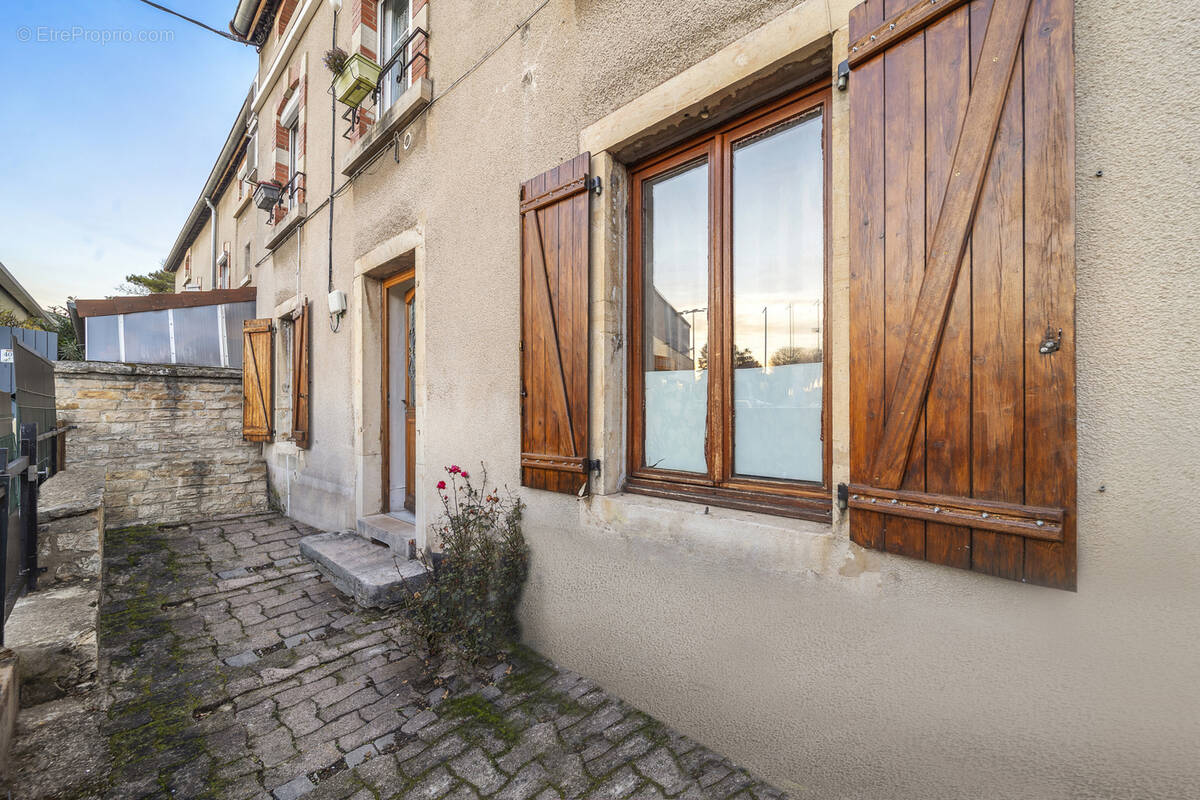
(257, 350)
(554, 328)
(962, 277)
(301, 412)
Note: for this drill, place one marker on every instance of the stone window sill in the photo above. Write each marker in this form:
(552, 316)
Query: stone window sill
(243, 204)
(294, 217)
(379, 136)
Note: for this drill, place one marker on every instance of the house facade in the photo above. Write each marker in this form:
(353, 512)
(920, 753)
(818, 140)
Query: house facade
(678, 272)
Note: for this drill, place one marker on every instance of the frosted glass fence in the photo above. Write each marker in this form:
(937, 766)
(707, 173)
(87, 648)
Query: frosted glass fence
(206, 336)
(776, 424)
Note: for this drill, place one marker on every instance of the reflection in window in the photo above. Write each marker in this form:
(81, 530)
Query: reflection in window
(676, 276)
(778, 286)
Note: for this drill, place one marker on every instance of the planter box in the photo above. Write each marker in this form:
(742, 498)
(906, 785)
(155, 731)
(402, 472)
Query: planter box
(356, 80)
(266, 195)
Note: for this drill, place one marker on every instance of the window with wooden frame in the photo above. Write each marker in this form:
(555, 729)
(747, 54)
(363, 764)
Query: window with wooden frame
(729, 258)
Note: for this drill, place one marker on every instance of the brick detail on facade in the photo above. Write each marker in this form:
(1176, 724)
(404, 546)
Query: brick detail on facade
(297, 83)
(168, 437)
(285, 15)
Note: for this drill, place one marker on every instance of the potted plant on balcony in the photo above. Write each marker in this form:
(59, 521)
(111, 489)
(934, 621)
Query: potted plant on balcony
(355, 76)
(267, 194)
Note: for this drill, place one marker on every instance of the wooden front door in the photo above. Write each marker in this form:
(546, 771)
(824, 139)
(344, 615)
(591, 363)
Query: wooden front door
(399, 407)
(410, 405)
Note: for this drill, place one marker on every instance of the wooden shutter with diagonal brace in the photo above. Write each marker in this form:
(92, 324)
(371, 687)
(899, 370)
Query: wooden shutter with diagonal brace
(301, 411)
(257, 389)
(962, 356)
(554, 328)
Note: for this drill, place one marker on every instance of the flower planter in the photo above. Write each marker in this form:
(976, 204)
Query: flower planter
(267, 194)
(356, 80)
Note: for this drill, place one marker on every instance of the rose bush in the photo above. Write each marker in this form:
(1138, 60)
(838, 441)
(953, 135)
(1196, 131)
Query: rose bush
(470, 603)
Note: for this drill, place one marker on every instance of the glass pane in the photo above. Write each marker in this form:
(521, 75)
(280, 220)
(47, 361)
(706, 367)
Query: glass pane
(778, 288)
(147, 338)
(675, 334)
(101, 342)
(197, 336)
(394, 14)
(235, 315)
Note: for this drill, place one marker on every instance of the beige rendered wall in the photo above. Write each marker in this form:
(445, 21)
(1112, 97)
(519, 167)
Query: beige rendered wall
(833, 671)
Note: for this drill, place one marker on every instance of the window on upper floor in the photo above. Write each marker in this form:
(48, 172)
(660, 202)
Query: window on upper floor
(395, 21)
(728, 291)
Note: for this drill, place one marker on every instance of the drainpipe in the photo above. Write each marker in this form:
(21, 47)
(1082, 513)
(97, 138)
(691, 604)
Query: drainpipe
(213, 219)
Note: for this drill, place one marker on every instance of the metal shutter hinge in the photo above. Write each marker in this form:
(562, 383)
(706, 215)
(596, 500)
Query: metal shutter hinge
(843, 496)
(843, 76)
(591, 464)
(594, 185)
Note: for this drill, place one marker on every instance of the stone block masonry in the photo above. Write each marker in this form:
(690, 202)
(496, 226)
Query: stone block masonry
(168, 438)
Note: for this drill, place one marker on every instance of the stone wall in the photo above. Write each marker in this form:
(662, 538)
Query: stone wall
(168, 437)
(71, 524)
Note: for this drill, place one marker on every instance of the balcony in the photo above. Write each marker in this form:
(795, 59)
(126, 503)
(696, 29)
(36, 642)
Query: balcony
(412, 99)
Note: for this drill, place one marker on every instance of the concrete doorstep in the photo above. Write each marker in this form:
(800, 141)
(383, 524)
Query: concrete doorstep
(373, 574)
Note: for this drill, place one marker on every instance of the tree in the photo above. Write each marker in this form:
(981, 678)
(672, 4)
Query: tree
(742, 359)
(795, 355)
(157, 282)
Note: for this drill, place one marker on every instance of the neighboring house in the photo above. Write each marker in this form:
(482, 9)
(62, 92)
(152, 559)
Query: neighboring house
(16, 300)
(768, 311)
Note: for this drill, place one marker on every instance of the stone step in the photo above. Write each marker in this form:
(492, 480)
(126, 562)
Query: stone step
(372, 574)
(386, 529)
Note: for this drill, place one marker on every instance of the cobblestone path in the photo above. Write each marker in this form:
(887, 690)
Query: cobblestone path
(234, 670)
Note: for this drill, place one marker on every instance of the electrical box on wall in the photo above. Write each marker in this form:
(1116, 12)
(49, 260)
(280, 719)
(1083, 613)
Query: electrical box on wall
(337, 302)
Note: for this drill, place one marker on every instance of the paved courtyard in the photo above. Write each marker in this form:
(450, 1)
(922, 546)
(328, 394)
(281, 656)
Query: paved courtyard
(231, 669)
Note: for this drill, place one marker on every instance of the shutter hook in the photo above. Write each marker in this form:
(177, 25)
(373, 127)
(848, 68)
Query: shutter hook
(1051, 342)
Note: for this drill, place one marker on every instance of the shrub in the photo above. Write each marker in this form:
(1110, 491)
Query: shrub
(471, 600)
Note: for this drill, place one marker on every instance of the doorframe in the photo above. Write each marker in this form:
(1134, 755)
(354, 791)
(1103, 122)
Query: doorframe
(385, 409)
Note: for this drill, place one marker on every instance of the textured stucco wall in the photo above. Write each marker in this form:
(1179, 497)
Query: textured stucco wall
(833, 671)
(169, 440)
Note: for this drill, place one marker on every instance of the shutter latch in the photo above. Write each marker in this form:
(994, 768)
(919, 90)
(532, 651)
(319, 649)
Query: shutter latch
(1051, 343)
(843, 76)
(591, 464)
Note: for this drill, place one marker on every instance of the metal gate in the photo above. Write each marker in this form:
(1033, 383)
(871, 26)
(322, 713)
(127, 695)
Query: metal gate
(32, 449)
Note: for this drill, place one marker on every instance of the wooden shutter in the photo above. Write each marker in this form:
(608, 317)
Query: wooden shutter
(554, 328)
(301, 412)
(962, 275)
(257, 352)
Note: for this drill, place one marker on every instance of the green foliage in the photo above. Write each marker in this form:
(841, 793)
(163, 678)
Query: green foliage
(157, 282)
(470, 603)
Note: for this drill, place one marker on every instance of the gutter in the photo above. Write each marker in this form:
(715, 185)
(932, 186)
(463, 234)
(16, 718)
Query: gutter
(210, 193)
(212, 228)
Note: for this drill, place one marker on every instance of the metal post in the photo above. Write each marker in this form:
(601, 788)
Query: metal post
(3, 541)
(29, 494)
(60, 445)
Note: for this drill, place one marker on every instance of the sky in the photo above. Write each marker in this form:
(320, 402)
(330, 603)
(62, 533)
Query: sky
(112, 116)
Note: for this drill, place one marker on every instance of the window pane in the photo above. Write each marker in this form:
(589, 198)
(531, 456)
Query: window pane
(147, 338)
(778, 288)
(101, 341)
(197, 336)
(675, 333)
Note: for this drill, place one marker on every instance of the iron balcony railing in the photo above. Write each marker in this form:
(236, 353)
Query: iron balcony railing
(394, 73)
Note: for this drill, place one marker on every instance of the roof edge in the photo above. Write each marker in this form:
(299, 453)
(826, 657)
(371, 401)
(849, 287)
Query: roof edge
(191, 228)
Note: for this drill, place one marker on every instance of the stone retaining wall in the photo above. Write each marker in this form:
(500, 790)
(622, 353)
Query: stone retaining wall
(168, 437)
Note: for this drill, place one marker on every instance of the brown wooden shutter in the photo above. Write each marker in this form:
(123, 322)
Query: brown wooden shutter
(301, 412)
(962, 275)
(257, 389)
(554, 328)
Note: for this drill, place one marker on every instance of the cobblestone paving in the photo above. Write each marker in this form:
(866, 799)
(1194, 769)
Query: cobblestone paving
(234, 671)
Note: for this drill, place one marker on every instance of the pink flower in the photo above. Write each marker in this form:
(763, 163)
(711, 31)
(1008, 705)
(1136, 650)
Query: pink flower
(464, 474)
(441, 484)
(454, 469)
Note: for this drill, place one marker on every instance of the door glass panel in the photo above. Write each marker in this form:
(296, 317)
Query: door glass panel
(778, 290)
(675, 242)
